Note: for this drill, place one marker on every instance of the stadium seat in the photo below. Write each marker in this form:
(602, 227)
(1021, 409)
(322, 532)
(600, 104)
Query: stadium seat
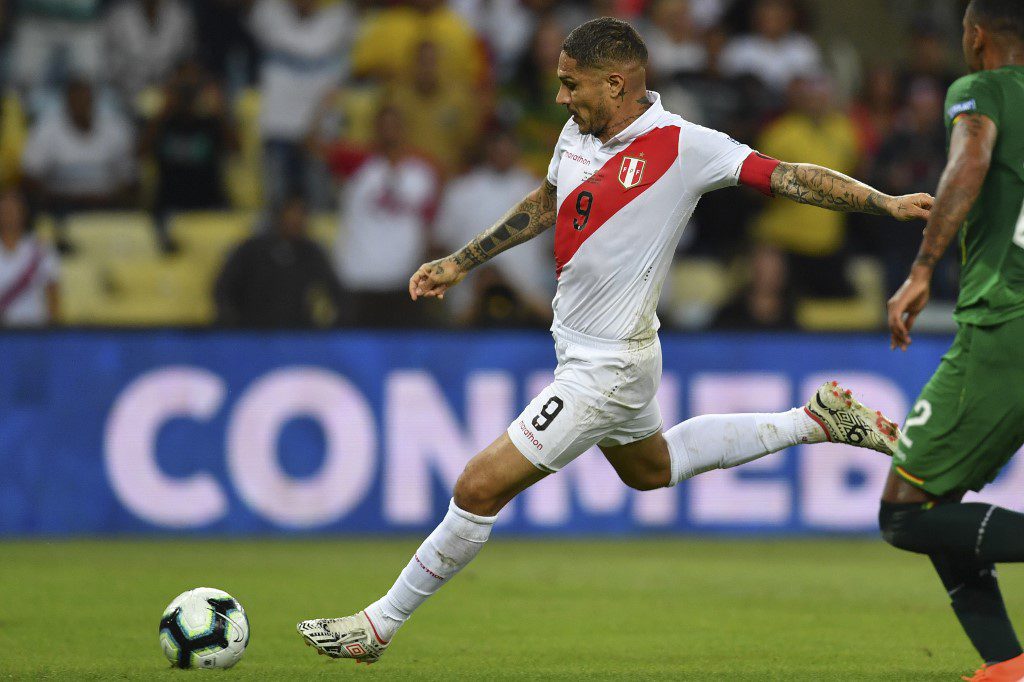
(13, 132)
(210, 235)
(864, 311)
(157, 291)
(698, 287)
(82, 292)
(323, 229)
(244, 177)
(109, 236)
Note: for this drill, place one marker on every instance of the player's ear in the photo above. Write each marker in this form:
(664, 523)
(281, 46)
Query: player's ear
(979, 38)
(616, 84)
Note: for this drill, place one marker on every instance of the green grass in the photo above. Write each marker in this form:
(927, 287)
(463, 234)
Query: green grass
(606, 610)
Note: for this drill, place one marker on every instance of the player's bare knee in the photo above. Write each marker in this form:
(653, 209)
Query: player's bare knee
(646, 479)
(475, 493)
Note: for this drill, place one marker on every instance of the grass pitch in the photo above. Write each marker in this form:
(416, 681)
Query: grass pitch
(605, 610)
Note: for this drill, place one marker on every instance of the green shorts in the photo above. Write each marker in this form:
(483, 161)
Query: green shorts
(969, 419)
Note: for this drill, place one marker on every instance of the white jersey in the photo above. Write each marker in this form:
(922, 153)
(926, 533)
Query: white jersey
(622, 207)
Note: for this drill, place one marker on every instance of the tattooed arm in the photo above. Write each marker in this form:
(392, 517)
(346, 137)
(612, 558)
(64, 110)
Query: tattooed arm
(806, 183)
(531, 216)
(970, 154)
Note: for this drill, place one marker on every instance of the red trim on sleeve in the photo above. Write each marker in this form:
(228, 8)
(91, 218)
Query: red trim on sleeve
(756, 172)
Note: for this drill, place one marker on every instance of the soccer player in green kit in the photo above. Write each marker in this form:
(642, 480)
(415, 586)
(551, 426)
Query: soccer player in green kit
(969, 419)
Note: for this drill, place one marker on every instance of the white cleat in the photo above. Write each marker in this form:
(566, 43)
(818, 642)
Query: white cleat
(352, 637)
(845, 420)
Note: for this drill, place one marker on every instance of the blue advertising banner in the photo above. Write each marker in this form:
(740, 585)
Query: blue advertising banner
(218, 433)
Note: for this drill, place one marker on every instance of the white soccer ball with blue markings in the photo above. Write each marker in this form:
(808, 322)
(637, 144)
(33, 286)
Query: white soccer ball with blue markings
(204, 628)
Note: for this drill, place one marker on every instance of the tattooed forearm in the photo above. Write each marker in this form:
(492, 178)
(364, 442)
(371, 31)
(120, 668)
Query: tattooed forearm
(533, 215)
(806, 183)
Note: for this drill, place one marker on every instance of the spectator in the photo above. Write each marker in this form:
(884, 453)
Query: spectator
(145, 40)
(505, 26)
(303, 43)
(875, 110)
(442, 116)
(279, 279)
(520, 290)
(385, 48)
(775, 52)
(388, 201)
(529, 99)
(766, 302)
(80, 156)
(928, 58)
(189, 140)
(673, 44)
(912, 158)
(29, 291)
(226, 46)
(812, 131)
(53, 36)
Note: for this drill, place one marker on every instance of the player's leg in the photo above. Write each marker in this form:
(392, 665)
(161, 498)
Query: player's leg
(963, 541)
(722, 441)
(965, 425)
(489, 481)
(562, 422)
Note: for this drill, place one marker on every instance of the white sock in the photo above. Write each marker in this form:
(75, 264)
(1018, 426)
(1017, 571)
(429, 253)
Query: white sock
(721, 441)
(451, 546)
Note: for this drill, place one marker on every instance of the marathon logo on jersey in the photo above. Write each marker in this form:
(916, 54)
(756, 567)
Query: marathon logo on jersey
(631, 172)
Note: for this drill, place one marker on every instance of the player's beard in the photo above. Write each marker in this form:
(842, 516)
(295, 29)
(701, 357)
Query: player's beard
(597, 123)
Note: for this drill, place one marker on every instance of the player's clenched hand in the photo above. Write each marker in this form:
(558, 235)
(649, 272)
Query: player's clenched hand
(911, 206)
(435, 278)
(904, 307)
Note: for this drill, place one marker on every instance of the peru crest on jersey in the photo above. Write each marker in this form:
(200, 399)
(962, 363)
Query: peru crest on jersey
(631, 172)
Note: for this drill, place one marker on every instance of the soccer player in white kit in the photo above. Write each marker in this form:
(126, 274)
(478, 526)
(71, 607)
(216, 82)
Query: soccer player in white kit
(624, 178)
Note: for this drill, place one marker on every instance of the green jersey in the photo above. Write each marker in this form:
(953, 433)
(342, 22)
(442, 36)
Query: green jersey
(992, 237)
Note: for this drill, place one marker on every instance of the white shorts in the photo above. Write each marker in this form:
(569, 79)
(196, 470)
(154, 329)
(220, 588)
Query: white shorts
(603, 394)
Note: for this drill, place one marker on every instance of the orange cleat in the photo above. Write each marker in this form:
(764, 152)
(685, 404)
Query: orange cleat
(1007, 671)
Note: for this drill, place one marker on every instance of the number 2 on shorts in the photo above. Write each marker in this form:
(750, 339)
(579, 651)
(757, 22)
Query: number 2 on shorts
(548, 413)
(923, 411)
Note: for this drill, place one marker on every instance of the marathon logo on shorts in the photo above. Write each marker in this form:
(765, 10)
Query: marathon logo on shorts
(962, 107)
(529, 435)
(631, 172)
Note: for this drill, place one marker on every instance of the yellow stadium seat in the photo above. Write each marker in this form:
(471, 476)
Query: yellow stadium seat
(211, 235)
(106, 237)
(13, 132)
(698, 287)
(157, 291)
(864, 311)
(45, 229)
(323, 229)
(82, 291)
(154, 313)
(244, 176)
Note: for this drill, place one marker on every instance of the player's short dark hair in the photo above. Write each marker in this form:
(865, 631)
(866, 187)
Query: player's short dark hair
(1001, 16)
(602, 42)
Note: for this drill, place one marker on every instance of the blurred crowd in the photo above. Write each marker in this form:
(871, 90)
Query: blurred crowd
(416, 124)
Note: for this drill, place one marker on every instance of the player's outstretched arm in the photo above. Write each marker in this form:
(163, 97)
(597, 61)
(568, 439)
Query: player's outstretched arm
(970, 154)
(527, 219)
(806, 183)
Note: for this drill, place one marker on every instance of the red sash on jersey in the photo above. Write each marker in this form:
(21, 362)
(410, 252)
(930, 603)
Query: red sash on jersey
(619, 181)
(22, 282)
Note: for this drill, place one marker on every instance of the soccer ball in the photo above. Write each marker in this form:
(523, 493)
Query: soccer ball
(204, 628)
